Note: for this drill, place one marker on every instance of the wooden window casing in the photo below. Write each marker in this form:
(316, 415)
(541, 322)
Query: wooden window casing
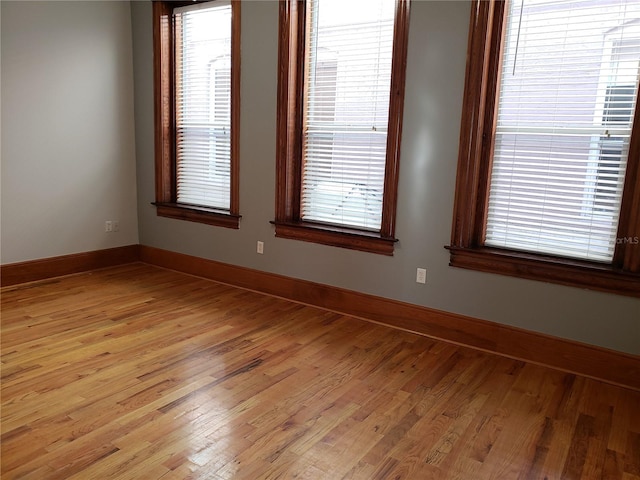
(467, 250)
(164, 64)
(291, 68)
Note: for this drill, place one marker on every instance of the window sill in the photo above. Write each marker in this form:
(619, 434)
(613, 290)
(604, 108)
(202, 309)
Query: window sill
(190, 213)
(336, 237)
(575, 273)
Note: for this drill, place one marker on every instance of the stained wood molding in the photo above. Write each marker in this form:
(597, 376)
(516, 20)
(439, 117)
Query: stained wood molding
(292, 66)
(29, 271)
(591, 361)
(477, 134)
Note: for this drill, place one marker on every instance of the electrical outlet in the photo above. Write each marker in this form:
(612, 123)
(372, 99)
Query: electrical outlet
(260, 247)
(421, 275)
(116, 226)
(108, 226)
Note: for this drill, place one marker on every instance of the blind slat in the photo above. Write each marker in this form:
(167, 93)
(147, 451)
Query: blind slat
(203, 110)
(346, 107)
(568, 89)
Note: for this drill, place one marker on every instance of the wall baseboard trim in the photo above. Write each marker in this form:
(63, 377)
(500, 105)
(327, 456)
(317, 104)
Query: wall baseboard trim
(614, 367)
(32, 270)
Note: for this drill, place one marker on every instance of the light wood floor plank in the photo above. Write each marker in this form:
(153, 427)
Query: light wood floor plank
(136, 372)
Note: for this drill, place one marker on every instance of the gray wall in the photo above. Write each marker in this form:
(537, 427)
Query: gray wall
(437, 49)
(68, 153)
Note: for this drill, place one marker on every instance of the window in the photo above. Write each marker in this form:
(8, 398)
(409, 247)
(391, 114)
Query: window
(547, 183)
(197, 84)
(340, 99)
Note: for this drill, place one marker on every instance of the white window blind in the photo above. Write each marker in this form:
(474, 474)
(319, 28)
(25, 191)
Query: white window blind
(203, 104)
(346, 110)
(568, 88)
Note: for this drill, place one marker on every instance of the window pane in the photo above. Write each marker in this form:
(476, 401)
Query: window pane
(568, 88)
(346, 111)
(203, 113)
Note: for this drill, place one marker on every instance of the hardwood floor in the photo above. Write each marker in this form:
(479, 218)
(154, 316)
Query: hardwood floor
(135, 372)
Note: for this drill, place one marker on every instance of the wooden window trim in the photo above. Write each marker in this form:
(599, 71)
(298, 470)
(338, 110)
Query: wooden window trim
(289, 138)
(622, 276)
(164, 120)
